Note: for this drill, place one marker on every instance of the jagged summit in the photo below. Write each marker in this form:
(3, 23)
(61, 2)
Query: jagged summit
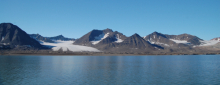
(50, 39)
(60, 37)
(135, 34)
(156, 37)
(40, 38)
(107, 30)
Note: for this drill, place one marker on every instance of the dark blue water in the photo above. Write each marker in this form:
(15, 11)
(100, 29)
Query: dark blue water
(105, 70)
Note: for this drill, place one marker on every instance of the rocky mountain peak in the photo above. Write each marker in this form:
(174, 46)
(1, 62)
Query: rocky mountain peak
(155, 32)
(107, 30)
(135, 35)
(60, 36)
(12, 35)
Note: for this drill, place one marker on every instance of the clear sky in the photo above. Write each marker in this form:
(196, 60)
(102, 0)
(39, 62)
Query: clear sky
(74, 18)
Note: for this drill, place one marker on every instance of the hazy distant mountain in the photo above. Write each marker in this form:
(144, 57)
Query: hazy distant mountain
(13, 36)
(40, 38)
(100, 37)
(61, 37)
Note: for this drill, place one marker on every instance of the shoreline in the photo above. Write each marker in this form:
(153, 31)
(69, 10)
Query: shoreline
(55, 53)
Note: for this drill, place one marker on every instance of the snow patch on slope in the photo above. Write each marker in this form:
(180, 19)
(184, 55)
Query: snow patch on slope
(180, 41)
(67, 45)
(99, 38)
(118, 39)
(208, 43)
(3, 38)
(158, 43)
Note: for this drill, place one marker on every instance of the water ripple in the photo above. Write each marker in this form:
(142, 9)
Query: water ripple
(108, 70)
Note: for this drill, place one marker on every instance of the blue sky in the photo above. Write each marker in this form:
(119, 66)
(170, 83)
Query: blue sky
(74, 18)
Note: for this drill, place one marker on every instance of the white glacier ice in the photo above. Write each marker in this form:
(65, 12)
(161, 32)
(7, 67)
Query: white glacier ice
(180, 41)
(67, 45)
(209, 42)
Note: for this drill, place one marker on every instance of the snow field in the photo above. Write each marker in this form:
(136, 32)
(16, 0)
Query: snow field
(208, 43)
(99, 38)
(180, 41)
(118, 39)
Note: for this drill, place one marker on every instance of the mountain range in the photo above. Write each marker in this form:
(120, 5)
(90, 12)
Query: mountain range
(40, 38)
(107, 40)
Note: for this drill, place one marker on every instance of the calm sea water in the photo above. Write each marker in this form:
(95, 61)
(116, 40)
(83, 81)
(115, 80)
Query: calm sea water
(109, 70)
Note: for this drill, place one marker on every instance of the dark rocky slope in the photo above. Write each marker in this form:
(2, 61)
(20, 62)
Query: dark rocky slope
(11, 35)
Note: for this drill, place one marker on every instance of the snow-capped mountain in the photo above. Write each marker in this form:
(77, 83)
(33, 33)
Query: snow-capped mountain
(170, 40)
(159, 39)
(100, 37)
(133, 43)
(185, 38)
(177, 43)
(108, 40)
